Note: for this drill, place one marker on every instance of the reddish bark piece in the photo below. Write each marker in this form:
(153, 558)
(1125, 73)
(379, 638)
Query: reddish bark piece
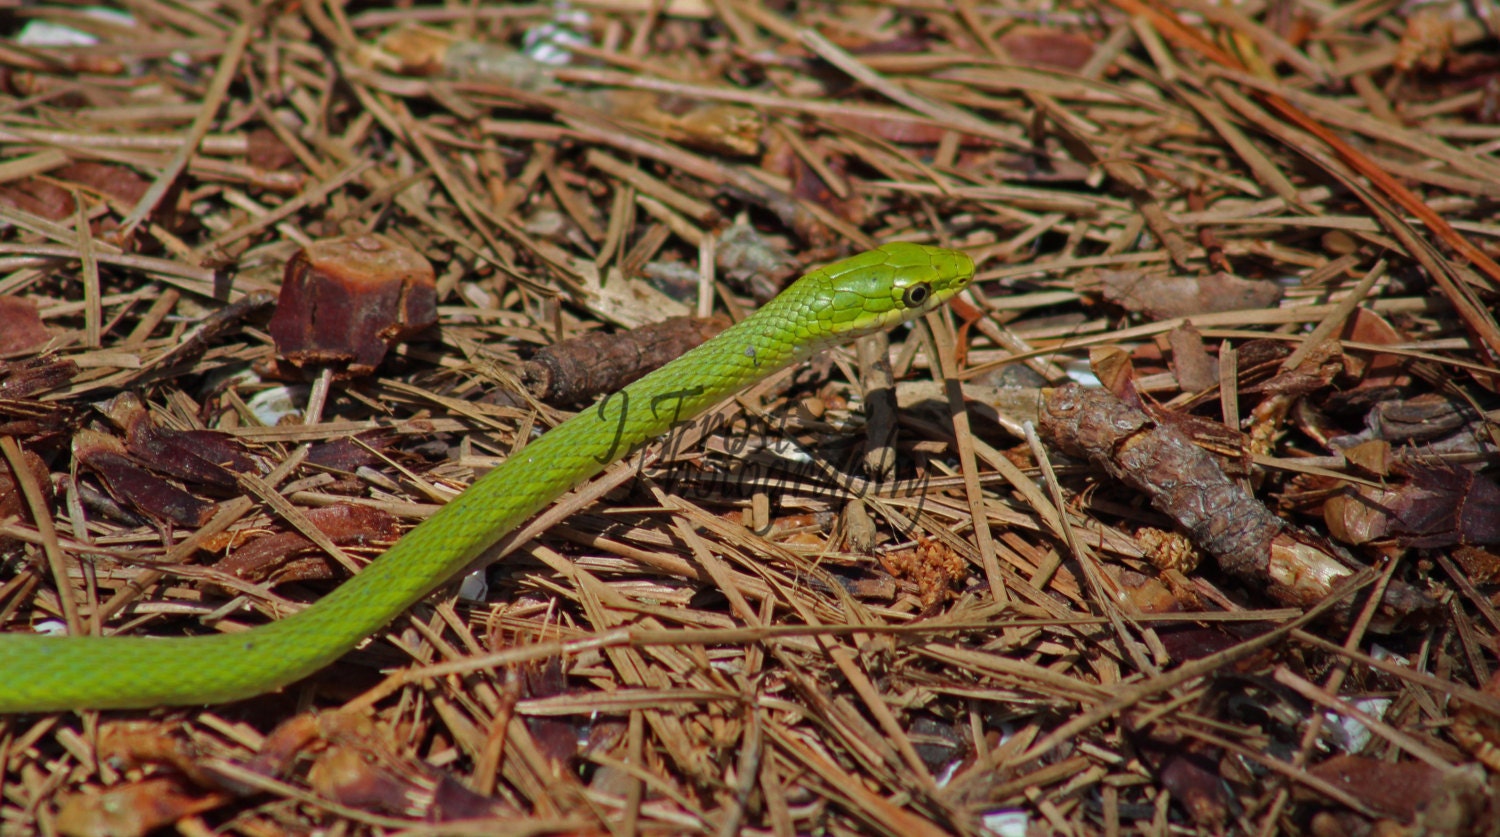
(808, 184)
(1034, 46)
(133, 486)
(1192, 642)
(1160, 296)
(350, 453)
(1399, 790)
(355, 764)
(23, 379)
(1375, 370)
(265, 150)
(1481, 567)
(1421, 420)
(197, 457)
(138, 808)
(1190, 770)
(1115, 370)
(556, 738)
(135, 744)
(1373, 457)
(29, 418)
(1147, 594)
(346, 301)
(123, 186)
(143, 806)
(1433, 507)
(1195, 369)
(578, 370)
(280, 558)
(203, 457)
(39, 197)
(118, 182)
(283, 557)
(12, 501)
(21, 326)
(290, 739)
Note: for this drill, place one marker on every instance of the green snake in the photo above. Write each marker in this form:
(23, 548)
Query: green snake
(857, 296)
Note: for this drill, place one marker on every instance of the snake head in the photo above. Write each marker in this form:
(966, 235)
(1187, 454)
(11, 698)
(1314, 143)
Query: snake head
(877, 289)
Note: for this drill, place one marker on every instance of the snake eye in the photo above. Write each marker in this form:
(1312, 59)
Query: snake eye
(916, 295)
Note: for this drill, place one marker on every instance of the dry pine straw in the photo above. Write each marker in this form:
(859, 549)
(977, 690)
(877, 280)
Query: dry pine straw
(774, 658)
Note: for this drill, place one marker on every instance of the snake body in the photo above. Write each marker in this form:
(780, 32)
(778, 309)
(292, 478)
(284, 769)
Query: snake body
(829, 306)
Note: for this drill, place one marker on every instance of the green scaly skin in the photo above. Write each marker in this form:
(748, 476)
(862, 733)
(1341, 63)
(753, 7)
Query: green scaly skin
(827, 307)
